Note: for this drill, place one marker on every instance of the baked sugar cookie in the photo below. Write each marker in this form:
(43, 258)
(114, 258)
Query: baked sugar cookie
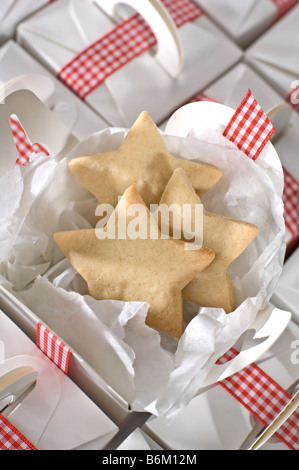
(141, 160)
(131, 268)
(227, 237)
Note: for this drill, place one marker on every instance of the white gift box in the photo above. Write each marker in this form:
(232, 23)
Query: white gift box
(18, 69)
(56, 414)
(142, 83)
(232, 86)
(12, 12)
(139, 440)
(230, 90)
(104, 354)
(215, 420)
(275, 54)
(243, 21)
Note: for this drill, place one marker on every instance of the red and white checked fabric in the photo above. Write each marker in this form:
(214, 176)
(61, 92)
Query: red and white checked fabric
(202, 97)
(250, 129)
(119, 46)
(24, 147)
(283, 6)
(11, 438)
(182, 11)
(263, 398)
(52, 347)
(291, 203)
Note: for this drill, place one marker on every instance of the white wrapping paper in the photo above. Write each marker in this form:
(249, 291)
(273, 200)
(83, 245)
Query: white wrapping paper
(14, 11)
(243, 21)
(153, 372)
(275, 54)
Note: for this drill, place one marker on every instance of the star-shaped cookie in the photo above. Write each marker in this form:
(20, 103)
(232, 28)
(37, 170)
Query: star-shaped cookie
(135, 268)
(141, 160)
(227, 237)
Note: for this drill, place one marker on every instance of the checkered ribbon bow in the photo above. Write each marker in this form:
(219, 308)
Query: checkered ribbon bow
(119, 46)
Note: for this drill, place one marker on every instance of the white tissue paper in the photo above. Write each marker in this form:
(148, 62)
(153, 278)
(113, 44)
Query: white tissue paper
(153, 372)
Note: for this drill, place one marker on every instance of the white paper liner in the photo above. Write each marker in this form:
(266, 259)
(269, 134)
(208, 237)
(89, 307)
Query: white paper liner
(152, 371)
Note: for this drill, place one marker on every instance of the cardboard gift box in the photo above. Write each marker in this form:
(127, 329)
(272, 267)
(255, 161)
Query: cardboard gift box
(110, 357)
(275, 56)
(229, 90)
(157, 71)
(56, 414)
(18, 69)
(12, 12)
(245, 21)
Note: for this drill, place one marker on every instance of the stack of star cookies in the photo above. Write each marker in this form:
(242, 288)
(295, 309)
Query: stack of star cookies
(141, 262)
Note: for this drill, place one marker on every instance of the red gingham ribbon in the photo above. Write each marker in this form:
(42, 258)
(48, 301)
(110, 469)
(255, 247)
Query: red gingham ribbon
(283, 6)
(250, 128)
(11, 438)
(182, 11)
(24, 147)
(52, 347)
(262, 397)
(119, 46)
